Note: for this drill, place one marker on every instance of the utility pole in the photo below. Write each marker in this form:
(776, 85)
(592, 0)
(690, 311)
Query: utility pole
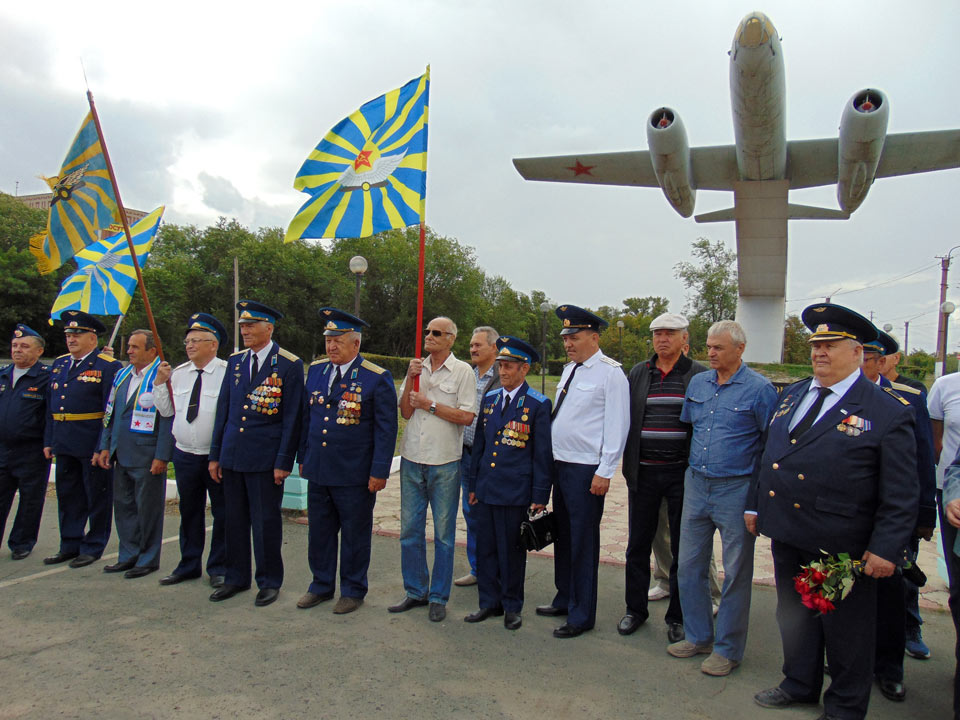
(906, 339)
(941, 318)
(871, 316)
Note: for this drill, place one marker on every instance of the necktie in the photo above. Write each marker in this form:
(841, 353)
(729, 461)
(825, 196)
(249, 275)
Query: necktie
(807, 420)
(506, 403)
(336, 379)
(193, 409)
(563, 392)
(254, 367)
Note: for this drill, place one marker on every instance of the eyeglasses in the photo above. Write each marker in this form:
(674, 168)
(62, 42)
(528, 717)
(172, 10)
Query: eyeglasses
(194, 341)
(437, 333)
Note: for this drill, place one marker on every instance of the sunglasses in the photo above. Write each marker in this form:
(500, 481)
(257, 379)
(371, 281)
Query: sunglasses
(437, 333)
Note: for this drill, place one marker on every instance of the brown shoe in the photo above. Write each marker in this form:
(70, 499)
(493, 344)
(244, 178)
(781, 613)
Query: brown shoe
(685, 649)
(466, 581)
(310, 599)
(718, 665)
(346, 605)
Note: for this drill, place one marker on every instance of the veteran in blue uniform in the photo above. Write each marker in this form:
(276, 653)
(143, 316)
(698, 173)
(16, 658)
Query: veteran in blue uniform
(591, 418)
(23, 416)
(256, 434)
(509, 475)
(346, 449)
(80, 383)
(838, 474)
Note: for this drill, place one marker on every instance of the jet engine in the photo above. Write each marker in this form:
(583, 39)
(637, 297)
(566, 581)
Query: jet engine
(863, 129)
(670, 155)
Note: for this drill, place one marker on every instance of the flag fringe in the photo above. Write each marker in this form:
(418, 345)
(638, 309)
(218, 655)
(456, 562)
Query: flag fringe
(45, 265)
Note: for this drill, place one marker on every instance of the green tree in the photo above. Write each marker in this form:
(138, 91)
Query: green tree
(796, 349)
(650, 306)
(711, 281)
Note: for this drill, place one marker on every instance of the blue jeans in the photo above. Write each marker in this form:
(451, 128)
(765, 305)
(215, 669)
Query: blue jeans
(438, 486)
(468, 516)
(711, 504)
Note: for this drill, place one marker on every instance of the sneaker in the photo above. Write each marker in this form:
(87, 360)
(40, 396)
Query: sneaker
(718, 665)
(466, 581)
(657, 593)
(916, 647)
(685, 649)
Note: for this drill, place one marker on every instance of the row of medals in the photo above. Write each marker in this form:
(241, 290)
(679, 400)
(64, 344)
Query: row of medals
(516, 433)
(266, 397)
(853, 426)
(349, 408)
(93, 376)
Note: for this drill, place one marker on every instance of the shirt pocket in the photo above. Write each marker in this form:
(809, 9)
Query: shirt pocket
(694, 406)
(447, 390)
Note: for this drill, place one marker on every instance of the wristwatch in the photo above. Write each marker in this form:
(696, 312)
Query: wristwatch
(433, 408)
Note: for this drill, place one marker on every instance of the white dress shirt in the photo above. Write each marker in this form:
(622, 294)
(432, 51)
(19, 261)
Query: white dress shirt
(838, 390)
(133, 384)
(262, 355)
(192, 437)
(591, 425)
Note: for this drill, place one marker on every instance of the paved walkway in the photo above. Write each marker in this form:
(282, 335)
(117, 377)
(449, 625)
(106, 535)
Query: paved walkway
(614, 535)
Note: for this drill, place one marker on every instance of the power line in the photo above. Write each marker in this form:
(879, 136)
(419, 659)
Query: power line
(870, 287)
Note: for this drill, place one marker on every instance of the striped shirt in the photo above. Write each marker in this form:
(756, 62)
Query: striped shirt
(663, 438)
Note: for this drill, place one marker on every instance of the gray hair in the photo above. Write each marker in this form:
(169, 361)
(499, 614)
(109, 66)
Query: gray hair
(732, 328)
(492, 335)
(453, 325)
(41, 343)
(149, 340)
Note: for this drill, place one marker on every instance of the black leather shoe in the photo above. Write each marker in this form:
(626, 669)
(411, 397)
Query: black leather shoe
(82, 561)
(629, 623)
(550, 611)
(675, 632)
(482, 614)
(216, 581)
(567, 631)
(266, 596)
(225, 592)
(59, 558)
(19, 554)
(406, 604)
(119, 566)
(893, 690)
(512, 621)
(139, 571)
(174, 579)
(437, 612)
(776, 698)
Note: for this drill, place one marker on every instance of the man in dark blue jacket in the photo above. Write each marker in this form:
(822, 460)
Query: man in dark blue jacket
(23, 416)
(346, 449)
(255, 438)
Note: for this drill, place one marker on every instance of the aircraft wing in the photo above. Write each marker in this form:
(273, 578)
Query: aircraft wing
(811, 163)
(714, 168)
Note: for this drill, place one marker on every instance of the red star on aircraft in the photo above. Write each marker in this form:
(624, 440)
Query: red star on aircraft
(581, 169)
(362, 159)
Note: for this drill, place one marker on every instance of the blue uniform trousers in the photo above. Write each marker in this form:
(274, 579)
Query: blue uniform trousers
(347, 510)
(891, 628)
(253, 502)
(468, 513)
(138, 499)
(26, 471)
(193, 485)
(847, 634)
(577, 548)
(84, 494)
(501, 561)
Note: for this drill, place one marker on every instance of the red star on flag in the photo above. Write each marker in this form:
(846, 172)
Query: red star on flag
(363, 159)
(136, 423)
(581, 169)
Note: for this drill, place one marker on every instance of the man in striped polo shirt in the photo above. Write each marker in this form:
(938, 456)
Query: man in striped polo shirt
(654, 461)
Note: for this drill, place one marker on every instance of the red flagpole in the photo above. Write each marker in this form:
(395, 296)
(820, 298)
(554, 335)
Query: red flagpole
(423, 244)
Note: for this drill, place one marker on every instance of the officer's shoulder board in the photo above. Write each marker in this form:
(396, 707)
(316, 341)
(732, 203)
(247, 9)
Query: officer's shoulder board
(321, 361)
(181, 365)
(609, 361)
(287, 354)
(372, 367)
(108, 358)
(536, 395)
(65, 355)
(893, 393)
(901, 388)
(492, 393)
(238, 352)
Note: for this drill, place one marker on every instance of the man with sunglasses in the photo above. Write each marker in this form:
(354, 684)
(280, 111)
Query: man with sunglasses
(436, 414)
(196, 387)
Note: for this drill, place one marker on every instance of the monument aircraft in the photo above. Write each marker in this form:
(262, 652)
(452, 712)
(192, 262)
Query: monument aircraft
(760, 169)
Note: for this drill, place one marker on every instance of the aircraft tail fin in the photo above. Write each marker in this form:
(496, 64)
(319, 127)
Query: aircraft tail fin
(794, 212)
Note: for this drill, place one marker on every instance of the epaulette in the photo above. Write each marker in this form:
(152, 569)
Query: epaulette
(181, 365)
(900, 387)
(238, 352)
(491, 393)
(892, 393)
(609, 361)
(63, 356)
(108, 358)
(287, 354)
(536, 395)
(320, 361)
(372, 367)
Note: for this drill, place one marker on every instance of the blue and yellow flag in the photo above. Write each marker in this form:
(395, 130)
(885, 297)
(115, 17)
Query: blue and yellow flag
(369, 173)
(106, 280)
(83, 202)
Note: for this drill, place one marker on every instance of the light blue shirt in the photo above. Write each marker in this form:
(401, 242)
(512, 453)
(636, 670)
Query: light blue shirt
(728, 421)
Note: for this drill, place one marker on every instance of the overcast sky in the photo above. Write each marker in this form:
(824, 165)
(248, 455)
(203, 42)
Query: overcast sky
(210, 108)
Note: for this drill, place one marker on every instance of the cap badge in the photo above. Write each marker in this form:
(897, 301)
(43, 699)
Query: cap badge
(18, 333)
(823, 328)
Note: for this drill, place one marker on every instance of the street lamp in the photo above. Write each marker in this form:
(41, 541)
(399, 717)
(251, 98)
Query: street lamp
(545, 307)
(358, 266)
(946, 308)
(620, 325)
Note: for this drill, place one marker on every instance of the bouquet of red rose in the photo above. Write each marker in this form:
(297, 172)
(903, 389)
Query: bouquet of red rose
(827, 581)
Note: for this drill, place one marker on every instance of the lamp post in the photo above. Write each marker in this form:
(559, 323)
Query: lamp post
(620, 325)
(545, 307)
(946, 308)
(358, 266)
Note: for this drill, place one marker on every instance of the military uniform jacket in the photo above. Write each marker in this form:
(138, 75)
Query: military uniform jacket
(512, 458)
(23, 407)
(849, 483)
(257, 426)
(350, 431)
(134, 449)
(82, 390)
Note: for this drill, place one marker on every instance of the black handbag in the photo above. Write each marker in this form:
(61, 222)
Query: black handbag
(538, 531)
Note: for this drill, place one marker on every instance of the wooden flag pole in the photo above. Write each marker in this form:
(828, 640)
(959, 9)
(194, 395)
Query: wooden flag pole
(116, 329)
(126, 229)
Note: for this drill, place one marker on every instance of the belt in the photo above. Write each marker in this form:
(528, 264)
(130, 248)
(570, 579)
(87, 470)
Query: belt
(68, 417)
